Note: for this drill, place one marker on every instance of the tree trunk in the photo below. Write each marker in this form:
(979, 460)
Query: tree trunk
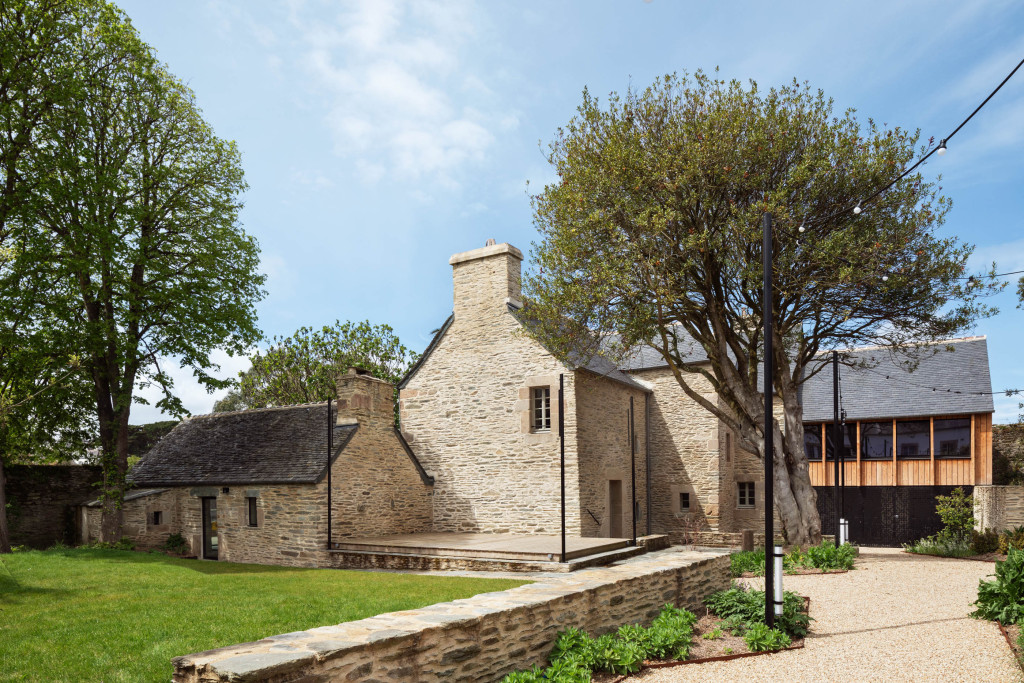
(5, 538)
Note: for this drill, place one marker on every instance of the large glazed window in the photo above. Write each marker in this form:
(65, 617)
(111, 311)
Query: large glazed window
(876, 440)
(849, 442)
(953, 438)
(914, 439)
(812, 441)
(540, 409)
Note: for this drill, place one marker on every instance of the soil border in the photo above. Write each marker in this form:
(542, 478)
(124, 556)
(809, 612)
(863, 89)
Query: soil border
(1017, 656)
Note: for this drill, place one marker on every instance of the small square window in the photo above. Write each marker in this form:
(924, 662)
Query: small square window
(684, 501)
(253, 517)
(540, 409)
(158, 518)
(746, 494)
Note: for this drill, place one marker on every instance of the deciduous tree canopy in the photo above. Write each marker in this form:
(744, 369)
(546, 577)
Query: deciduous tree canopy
(652, 235)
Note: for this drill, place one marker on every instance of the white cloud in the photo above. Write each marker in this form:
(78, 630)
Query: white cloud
(401, 97)
(192, 394)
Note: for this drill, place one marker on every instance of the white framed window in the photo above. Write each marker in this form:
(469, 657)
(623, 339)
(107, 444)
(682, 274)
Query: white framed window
(746, 494)
(540, 409)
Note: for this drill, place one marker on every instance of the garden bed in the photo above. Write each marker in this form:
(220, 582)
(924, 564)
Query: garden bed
(1011, 633)
(720, 648)
(795, 572)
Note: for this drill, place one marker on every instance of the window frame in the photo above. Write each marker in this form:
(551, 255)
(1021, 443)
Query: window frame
(821, 442)
(927, 455)
(157, 518)
(684, 496)
(935, 437)
(252, 511)
(746, 495)
(540, 410)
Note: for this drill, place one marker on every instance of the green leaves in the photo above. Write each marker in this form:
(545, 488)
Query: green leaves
(303, 368)
(1002, 599)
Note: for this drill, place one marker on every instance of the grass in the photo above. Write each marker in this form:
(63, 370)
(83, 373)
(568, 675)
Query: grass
(108, 615)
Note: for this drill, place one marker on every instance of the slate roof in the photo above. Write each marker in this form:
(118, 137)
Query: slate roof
(944, 383)
(286, 445)
(129, 495)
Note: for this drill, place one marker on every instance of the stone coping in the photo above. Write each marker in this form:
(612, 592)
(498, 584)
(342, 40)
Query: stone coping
(293, 656)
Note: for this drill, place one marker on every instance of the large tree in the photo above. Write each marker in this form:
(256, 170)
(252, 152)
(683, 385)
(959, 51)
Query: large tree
(652, 235)
(50, 58)
(136, 216)
(304, 367)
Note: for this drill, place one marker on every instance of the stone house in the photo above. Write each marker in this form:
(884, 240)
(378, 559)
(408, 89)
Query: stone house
(476, 409)
(251, 486)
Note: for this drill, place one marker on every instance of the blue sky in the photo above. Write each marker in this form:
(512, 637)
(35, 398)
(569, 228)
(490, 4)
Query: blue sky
(380, 137)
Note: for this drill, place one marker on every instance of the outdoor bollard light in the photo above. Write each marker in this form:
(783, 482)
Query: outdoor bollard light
(777, 561)
(844, 531)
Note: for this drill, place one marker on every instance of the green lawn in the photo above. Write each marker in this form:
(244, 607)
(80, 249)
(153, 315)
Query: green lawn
(107, 615)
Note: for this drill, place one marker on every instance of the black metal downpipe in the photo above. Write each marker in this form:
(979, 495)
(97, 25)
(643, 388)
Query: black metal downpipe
(330, 448)
(632, 468)
(561, 448)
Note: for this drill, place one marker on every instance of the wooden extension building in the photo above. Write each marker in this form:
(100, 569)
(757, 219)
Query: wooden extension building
(907, 437)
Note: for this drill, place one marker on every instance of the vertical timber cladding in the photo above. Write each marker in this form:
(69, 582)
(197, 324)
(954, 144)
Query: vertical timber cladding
(885, 515)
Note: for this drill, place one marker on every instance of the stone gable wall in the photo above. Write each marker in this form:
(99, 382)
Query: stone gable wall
(465, 414)
(43, 499)
(602, 409)
(685, 455)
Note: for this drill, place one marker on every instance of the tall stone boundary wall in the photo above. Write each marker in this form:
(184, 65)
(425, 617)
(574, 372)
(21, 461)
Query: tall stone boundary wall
(998, 507)
(43, 499)
(1008, 454)
(477, 639)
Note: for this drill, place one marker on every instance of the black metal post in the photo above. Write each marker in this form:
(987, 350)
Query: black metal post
(561, 448)
(842, 470)
(767, 304)
(330, 448)
(647, 456)
(632, 468)
(837, 436)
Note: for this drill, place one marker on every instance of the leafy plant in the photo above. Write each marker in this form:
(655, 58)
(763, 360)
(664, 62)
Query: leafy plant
(567, 671)
(713, 635)
(956, 512)
(760, 638)
(747, 561)
(941, 546)
(176, 543)
(617, 656)
(727, 650)
(986, 541)
(671, 634)
(1011, 538)
(534, 675)
(1002, 599)
(737, 605)
(828, 556)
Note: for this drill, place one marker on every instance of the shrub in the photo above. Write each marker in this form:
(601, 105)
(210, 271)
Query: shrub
(124, 544)
(828, 556)
(1011, 538)
(940, 545)
(617, 656)
(671, 634)
(747, 561)
(567, 671)
(741, 607)
(760, 638)
(534, 675)
(176, 543)
(957, 514)
(1002, 599)
(986, 541)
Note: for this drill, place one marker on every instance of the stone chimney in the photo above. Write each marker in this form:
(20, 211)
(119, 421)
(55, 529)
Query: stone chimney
(486, 279)
(364, 399)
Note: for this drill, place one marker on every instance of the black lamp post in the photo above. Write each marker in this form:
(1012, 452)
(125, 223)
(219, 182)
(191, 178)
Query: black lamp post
(769, 440)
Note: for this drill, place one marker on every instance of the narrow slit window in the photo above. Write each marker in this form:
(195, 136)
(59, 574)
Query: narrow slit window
(684, 501)
(253, 515)
(158, 518)
(746, 494)
(540, 399)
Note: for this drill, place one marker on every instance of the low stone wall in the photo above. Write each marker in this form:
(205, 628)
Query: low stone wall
(477, 639)
(998, 507)
(43, 499)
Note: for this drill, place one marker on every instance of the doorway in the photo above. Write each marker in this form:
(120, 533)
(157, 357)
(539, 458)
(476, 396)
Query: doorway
(209, 528)
(615, 508)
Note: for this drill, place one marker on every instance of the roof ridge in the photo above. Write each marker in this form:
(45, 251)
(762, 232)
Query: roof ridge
(290, 406)
(875, 347)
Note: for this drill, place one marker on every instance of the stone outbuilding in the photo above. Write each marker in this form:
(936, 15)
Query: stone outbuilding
(251, 486)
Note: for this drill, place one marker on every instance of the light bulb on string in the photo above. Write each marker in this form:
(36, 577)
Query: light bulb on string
(941, 149)
(857, 208)
(801, 229)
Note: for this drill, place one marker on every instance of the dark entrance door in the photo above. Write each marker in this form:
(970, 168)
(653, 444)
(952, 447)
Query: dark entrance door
(885, 515)
(209, 528)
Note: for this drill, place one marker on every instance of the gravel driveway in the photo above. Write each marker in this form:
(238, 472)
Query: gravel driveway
(897, 617)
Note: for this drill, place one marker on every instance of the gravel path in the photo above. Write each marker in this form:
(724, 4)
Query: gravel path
(897, 617)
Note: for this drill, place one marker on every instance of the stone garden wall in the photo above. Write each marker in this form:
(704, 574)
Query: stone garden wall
(477, 639)
(998, 507)
(43, 499)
